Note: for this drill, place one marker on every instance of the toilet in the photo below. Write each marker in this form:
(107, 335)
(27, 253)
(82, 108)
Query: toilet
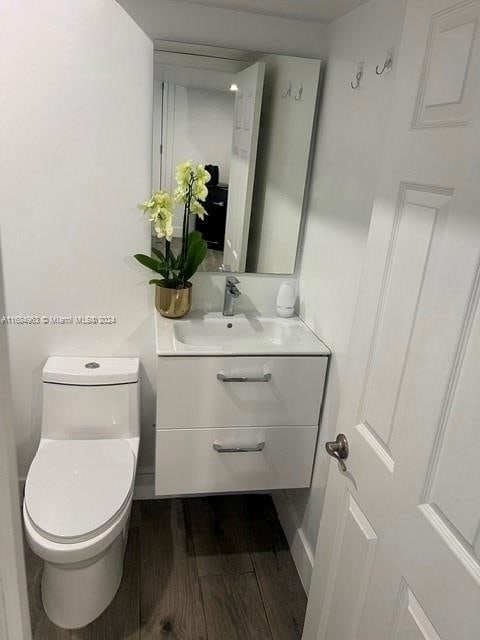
(79, 488)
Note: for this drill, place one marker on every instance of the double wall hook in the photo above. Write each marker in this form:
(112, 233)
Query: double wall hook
(299, 94)
(387, 65)
(358, 76)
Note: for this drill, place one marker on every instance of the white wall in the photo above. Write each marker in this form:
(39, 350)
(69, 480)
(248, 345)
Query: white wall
(344, 176)
(193, 77)
(203, 125)
(75, 160)
(200, 127)
(285, 137)
(186, 22)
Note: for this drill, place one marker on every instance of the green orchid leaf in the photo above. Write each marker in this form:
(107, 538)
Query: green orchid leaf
(194, 235)
(158, 253)
(148, 262)
(168, 283)
(197, 253)
(151, 263)
(194, 238)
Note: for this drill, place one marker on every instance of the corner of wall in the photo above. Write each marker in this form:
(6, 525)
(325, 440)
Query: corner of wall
(144, 484)
(342, 189)
(300, 549)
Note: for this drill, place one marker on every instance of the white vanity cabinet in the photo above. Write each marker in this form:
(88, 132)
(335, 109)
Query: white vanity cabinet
(236, 423)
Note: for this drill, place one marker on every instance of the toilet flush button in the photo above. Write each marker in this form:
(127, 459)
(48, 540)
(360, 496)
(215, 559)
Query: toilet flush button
(92, 365)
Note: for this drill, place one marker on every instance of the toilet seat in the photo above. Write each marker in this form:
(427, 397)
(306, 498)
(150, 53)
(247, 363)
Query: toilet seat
(75, 489)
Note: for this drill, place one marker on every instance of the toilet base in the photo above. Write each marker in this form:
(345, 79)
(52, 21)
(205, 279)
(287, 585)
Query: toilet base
(74, 595)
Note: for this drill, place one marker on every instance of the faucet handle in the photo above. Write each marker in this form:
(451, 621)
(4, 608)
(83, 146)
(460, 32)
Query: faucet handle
(232, 280)
(225, 268)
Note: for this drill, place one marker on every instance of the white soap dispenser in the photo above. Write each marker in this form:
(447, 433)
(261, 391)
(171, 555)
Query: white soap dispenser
(286, 300)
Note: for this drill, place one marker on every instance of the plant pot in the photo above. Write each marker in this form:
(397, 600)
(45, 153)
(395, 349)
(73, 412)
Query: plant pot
(173, 303)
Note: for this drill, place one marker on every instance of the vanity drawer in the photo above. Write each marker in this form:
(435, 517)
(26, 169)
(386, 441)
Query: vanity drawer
(188, 460)
(209, 391)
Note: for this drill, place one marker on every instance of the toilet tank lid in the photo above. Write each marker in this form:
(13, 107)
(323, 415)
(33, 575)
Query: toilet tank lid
(90, 370)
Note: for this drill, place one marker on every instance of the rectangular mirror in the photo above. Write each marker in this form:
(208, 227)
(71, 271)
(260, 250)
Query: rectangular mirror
(249, 118)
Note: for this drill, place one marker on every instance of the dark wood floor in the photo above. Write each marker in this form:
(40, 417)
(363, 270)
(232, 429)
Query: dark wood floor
(214, 568)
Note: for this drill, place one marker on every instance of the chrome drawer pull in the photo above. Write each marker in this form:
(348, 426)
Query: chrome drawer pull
(219, 449)
(223, 378)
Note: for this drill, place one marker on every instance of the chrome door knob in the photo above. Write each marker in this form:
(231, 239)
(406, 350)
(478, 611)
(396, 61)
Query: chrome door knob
(338, 450)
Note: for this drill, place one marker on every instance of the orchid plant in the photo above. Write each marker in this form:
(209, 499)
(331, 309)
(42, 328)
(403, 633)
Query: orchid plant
(191, 191)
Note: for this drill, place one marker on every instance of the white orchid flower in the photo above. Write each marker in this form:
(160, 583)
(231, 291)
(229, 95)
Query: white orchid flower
(183, 174)
(197, 209)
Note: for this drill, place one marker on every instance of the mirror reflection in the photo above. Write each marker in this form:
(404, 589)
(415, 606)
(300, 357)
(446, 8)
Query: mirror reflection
(249, 119)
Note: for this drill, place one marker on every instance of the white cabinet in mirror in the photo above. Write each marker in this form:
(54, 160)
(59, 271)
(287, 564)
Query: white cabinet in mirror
(249, 118)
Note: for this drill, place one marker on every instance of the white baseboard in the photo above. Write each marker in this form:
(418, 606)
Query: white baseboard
(144, 484)
(299, 548)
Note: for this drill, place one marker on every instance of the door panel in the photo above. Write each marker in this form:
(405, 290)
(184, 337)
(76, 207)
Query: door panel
(447, 85)
(248, 104)
(411, 623)
(411, 402)
(454, 470)
(410, 240)
(351, 569)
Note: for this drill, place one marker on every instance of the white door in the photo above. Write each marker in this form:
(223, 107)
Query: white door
(248, 105)
(14, 614)
(398, 555)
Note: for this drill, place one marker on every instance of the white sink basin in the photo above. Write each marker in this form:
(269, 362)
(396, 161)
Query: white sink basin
(215, 334)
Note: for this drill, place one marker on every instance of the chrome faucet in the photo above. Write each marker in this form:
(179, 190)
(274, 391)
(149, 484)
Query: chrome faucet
(231, 293)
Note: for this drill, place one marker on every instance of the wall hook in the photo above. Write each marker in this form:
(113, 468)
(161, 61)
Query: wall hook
(358, 76)
(299, 93)
(288, 92)
(387, 65)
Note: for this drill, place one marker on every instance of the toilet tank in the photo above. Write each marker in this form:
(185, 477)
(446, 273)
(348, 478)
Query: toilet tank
(88, 398)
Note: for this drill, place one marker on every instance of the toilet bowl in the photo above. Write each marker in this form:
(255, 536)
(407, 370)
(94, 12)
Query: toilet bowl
(79, 488)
